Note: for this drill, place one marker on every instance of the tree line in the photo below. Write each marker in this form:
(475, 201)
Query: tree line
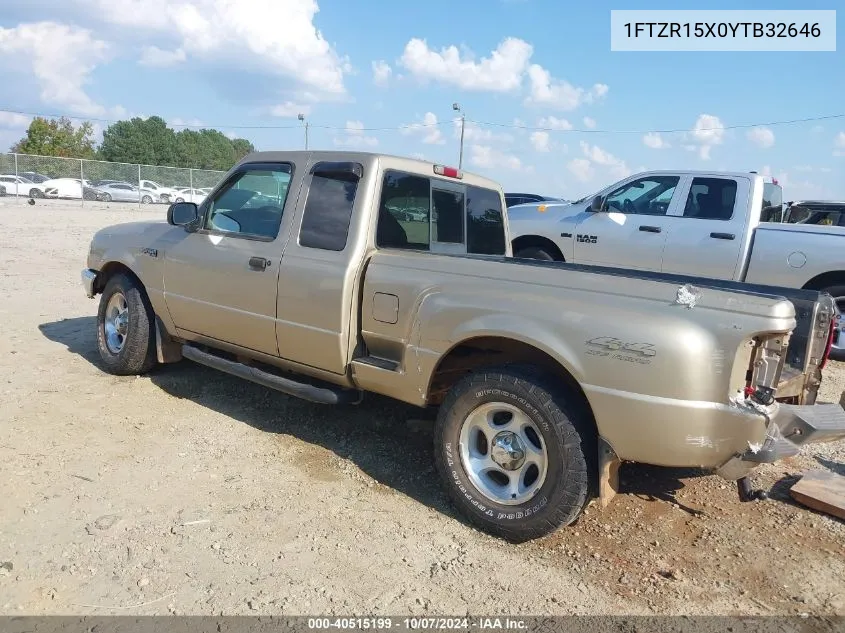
(139, 141)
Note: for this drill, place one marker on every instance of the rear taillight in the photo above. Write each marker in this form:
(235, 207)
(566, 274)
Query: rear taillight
(833, 327)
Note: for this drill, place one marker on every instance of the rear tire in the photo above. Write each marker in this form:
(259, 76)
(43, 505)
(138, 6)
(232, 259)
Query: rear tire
(125, 328)
(146, 200)
(837, 352)
(485, 479)
(535, 252)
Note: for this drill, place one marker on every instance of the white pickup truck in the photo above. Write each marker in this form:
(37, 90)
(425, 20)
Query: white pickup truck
(692, 223)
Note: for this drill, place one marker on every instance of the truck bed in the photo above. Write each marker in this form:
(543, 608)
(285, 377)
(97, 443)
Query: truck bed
(809, 338)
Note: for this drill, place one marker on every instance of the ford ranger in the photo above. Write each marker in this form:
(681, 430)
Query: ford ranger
(302, 272)
(706, 224)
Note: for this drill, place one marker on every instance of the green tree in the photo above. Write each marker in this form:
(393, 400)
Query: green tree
(210, 149)
(57, 137)
(146, 141)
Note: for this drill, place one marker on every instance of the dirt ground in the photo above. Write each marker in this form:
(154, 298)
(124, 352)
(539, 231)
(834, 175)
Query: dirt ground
(192, 492)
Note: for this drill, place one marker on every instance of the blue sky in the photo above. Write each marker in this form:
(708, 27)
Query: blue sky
(249, 67)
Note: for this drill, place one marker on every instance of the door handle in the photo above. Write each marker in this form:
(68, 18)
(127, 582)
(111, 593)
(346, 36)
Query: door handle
(258, 263)
(651, 229)
(723, 236)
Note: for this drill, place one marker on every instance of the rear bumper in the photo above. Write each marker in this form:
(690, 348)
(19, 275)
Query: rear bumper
(792, 427)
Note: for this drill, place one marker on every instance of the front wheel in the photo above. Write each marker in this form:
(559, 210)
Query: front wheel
(515, 452)
(36, 193)
(125, 328)
(106, 197)
(535, 252)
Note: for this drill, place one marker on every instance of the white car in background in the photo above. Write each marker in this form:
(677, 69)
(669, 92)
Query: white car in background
(64, 188)
(164, 194)
(20, 186)
(189, 195)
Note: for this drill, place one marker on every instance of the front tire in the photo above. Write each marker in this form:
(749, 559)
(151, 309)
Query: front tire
(125, 328)
(36, 193)
(106, 197)
(516, 453)
(535, 252)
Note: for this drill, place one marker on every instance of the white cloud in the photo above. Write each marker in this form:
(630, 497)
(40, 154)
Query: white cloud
(381, 72)
(14, 121)
(655, 141)
(540, 141)
(488, 157)
(501, 71)
(473, 133)
(581, 168)
(761, 136)
(355, 136)
(615, 166)
(182, 123)
(159, 58)
(61, 57)
(288, 110)
(839, 144)
(554, 123)
(545, 90)
(428, 130)
(273, 37)
(589, 122)
(707, 132)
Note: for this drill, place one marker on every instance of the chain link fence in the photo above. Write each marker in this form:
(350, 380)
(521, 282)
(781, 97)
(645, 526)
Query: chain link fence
(24, 176)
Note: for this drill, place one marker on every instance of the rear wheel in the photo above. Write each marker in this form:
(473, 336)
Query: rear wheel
(837, 350)
(125, 327)
(146, 200)
(535, 252)
(515, 452)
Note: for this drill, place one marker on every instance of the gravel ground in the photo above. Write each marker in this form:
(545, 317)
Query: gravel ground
(189, 491)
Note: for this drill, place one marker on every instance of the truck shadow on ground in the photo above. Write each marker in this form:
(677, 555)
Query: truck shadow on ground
(390, 441)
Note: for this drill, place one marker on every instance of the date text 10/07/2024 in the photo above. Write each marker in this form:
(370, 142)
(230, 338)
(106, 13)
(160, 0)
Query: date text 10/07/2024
(721, 29)
(418, 624)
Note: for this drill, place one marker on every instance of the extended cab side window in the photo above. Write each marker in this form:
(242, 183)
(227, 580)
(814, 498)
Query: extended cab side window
(711, 199)
(251, 203)
(328, 207)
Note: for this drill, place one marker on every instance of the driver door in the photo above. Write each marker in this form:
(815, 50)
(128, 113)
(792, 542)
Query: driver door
(631, 230)
(221, 281)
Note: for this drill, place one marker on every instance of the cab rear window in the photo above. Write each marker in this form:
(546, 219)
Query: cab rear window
(416, 211)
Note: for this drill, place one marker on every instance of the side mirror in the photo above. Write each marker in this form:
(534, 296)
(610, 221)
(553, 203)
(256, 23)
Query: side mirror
(596, 206)
(182, 213)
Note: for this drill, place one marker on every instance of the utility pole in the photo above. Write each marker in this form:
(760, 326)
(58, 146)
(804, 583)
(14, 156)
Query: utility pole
(301, 117)
(457, 108)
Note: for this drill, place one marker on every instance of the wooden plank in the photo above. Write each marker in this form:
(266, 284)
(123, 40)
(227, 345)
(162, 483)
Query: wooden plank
(821, 490)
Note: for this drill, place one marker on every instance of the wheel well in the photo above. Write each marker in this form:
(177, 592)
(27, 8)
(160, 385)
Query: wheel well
(526, 241)
(825, 280)
(110, 270)
(490, 351)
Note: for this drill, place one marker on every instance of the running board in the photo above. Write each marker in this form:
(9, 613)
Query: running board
(321, 393)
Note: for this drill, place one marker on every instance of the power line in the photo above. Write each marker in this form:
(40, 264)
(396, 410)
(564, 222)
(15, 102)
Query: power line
(666, 131)
(416, 126)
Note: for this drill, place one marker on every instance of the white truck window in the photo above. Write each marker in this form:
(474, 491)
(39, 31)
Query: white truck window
(711, 199)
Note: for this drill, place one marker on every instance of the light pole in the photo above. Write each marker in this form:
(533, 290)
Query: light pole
(457, 108)
(301, 117)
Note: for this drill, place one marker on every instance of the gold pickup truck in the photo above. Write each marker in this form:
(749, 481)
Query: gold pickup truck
(326, 275)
